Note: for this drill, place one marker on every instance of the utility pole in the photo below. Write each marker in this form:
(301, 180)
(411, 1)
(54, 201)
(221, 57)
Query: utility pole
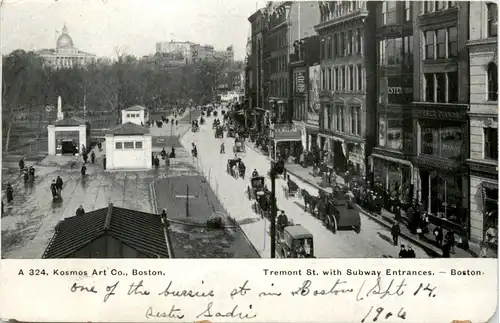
(273, 212)
(187, 200)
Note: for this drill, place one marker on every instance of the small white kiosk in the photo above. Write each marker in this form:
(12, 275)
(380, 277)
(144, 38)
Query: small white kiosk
(67, 136)
(135, 114)
(128, 146)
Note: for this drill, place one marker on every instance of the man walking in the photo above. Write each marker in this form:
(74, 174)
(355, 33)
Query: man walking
(395, 232)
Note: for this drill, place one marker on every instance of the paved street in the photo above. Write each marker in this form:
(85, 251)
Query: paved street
(374, 240)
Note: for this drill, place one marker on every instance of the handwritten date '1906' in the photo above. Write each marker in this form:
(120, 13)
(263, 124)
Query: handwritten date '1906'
(374, 290)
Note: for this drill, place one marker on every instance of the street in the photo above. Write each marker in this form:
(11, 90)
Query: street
(374, 240)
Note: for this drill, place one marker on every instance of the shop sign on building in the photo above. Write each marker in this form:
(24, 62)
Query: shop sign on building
(314, 89)
(285, 132)
(300, 85)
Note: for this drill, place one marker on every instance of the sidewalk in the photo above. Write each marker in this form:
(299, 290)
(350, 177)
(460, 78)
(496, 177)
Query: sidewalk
(386, 219)
(426, 241)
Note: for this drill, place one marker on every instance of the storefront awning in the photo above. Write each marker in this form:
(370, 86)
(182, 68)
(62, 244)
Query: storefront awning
(331, 137)
(394, 160)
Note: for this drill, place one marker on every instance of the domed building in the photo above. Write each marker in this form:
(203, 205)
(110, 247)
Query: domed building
(65, 55)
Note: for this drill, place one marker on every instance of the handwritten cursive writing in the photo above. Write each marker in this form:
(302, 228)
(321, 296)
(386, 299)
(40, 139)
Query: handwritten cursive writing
(77, 288)
(174, 313)
(137, 289)
(392, 289)
(430, 290)
(110, 291)
(186, 293)
(263, 294)
(401, 314)
(305, 289)
(234, 313)
(242, 290)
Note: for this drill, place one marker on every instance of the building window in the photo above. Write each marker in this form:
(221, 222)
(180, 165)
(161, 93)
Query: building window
(407, 10)
(343, 78)
(394, 51)
(428, 6)
(118, 145)
(452, 42)
(128, 145)
(337, 79)
(394, 134)
(381, 53)
(323, 79)
(138, 144)
(360, 78)
(429, 87)
(349, 42)
(351, 78)
(442, 139)
(340, 118)
(440, 5)
(329, 117)
(441, 87)
(408, 52)
(491, 143)
(429, 44)
(335, 46)
(452, 87)
(441, 43)
(330, 79)
(358, 40)
(492, 19)
(492, 82)
(328, 48)
(355, 121)
(389, 16)
(342, 44)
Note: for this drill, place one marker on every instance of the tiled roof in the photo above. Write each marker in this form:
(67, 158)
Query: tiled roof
(135, 108)
(141, 231)
(70, 122)
(128, 128)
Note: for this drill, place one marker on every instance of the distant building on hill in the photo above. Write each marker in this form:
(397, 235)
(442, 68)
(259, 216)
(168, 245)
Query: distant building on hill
(65, 55)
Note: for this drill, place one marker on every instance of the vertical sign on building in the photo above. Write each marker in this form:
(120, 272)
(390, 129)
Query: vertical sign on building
(314, 88)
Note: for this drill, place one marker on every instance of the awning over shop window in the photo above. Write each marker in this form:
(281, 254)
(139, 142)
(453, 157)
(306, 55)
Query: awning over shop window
(394, 160)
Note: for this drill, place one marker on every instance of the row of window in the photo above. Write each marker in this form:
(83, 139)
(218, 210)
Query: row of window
(336, 9)
(342, 78)
(133, 115)
(390, 11)
(299, 110)
(279, 87)
(343, 119)
(441, 43)
(342, 44)
(492, 27)
(279, 63)
(278, 40)
(128, 145)
(433, 6)
(396, 52)
(441, 87)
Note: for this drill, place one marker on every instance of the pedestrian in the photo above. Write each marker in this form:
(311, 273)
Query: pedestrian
(2, 207)
(21, 164)
(152, 159)
(395, 232)
(59, 184)
(445, 248)
(438, 234)
(32, 173)
(403, 253)
(83, 170)
(10, 193)
(85, 158)
(222, 148)
(450, 238)
(53, 189)
(411, 252)
(80, 211)
(484, 249)
(26, 175)
(104, 162)
(92, 157)
(157, 162)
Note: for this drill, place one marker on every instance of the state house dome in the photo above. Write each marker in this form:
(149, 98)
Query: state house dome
(64, 41)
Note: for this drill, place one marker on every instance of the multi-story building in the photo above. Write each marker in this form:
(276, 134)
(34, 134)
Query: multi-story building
(287, 22)
(441, 95)
(202, 52)
(256, 62)
(65, 55)
(347, 55)
(225, 55)
(391, 160)
(305, 89)
(182, 49)
(483, 121)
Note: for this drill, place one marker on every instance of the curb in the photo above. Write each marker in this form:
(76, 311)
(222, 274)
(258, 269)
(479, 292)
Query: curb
(428, 249)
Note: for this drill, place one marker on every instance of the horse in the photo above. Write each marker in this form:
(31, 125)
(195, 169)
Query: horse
(310, 201)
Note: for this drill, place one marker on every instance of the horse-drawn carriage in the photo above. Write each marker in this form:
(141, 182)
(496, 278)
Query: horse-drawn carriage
(257, 184)
(231, 131)
(202, 121)
(239, 145)
(262, 204)
(295, 242)
(216, 124)
(291, 188)
(195, 128)
(230, 166)
(219, 132)
(335, 210)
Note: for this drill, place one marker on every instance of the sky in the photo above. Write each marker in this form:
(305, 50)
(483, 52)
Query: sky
(101, 27)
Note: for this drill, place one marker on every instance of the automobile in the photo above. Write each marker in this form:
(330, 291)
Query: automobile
(257, 184)
(295, 242)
